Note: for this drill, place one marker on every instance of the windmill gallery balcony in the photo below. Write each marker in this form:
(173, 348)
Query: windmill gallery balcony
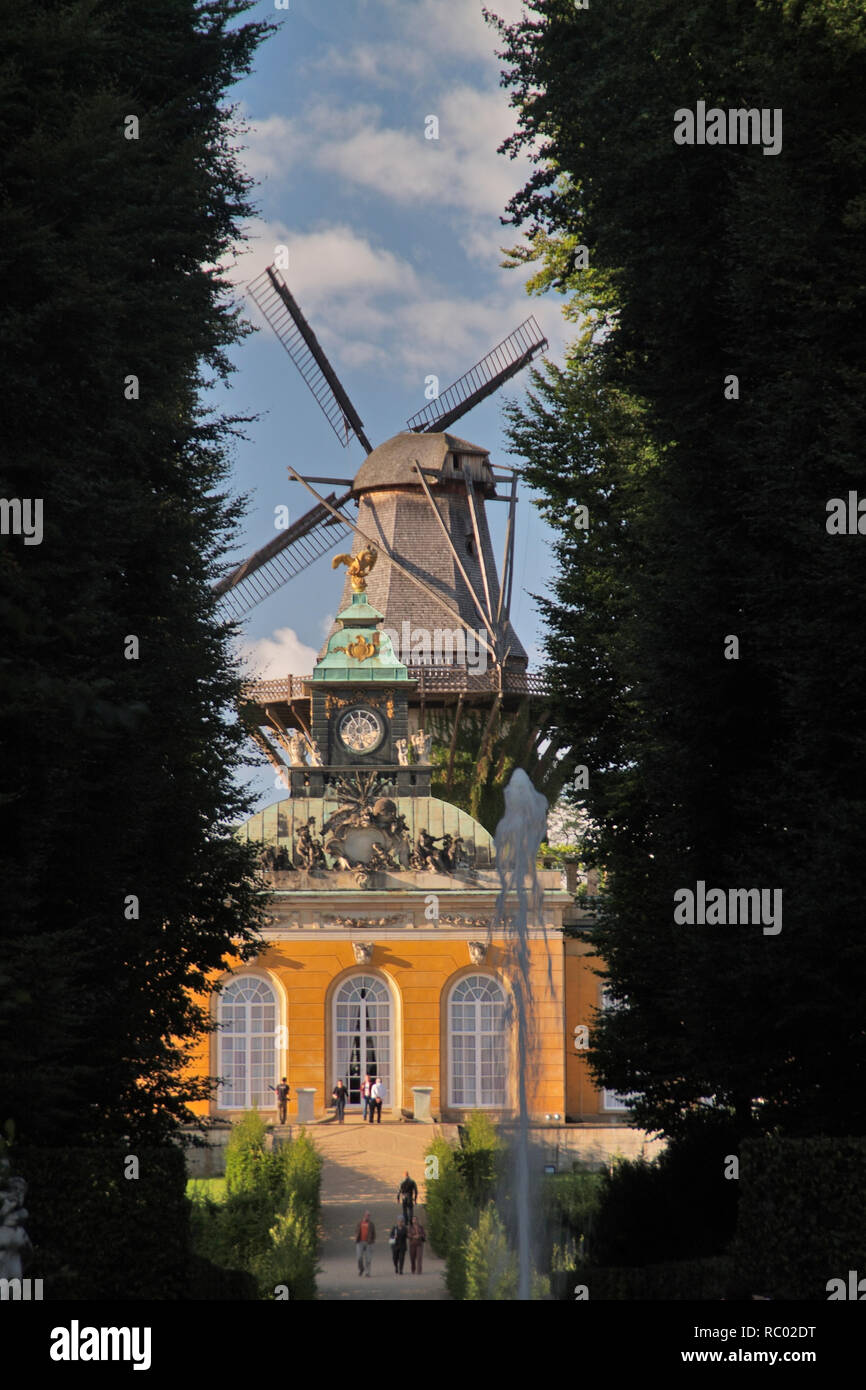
(432, 682)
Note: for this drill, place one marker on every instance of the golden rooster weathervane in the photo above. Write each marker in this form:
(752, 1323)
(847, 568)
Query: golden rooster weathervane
(358, 567)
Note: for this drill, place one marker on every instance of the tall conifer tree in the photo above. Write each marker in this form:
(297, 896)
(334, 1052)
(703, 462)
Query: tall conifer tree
(124, 886)
(707, 501)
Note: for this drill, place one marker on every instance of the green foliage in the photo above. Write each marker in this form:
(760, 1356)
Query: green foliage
(567, 1211)
(680, 1206)
(480, 1158)
(491, 1267)
(448, 1207)
(98, 1235)
(708, 1280)
(267, 1224)
(290, 1257)
(247, 1163)
(302, 1166)
(463, 1226)
(104, 247)
(802, 1217)
(707, 518)
(489, 747)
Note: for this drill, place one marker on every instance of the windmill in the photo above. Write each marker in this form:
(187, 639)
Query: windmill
(420, 499)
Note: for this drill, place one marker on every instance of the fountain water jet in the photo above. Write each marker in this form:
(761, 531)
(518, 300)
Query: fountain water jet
(518, 836)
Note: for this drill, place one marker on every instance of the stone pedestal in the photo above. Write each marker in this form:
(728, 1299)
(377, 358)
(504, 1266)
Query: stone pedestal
(305, 1096)
(421, 1097)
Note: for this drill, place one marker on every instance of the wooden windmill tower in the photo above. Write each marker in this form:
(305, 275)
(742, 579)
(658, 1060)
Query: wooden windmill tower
(420, 500)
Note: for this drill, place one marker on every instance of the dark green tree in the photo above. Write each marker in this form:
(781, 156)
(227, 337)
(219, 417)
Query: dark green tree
(124, 885)
(476, 751)
(707, 520)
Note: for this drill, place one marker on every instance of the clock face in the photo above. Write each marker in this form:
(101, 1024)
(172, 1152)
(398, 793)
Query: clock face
(361, 730)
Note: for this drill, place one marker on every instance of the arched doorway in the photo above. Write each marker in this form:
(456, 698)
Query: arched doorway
(363, 1035)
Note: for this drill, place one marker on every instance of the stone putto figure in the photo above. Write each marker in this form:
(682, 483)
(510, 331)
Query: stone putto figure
(422, 743)
(308, 849)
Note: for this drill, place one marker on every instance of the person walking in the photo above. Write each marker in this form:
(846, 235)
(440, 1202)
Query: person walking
(365, 1237)
(282, 1098)
(397, 1241)
(366, 1088)
(407, 1196)
(339, 1096)
(377, 1095)
(417, 1237)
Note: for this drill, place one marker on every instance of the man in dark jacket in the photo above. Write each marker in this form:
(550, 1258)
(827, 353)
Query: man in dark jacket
(407, 1194)
(397, 1240)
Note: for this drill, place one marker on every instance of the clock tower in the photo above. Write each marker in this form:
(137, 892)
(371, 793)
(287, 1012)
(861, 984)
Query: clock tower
(359, 698)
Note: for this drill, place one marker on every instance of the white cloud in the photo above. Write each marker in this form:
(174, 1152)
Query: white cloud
(371, 309)
(269, 147)
(281, 654)
(423, 36)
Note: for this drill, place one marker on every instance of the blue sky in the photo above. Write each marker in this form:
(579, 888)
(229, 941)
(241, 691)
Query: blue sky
(394, 256)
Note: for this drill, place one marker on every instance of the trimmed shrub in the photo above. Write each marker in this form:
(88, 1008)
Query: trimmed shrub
(268, 1223)
(568, 1208)
(678, 1207)
(802, 1219)
(100, 1235)
(447, 1204)
(480, 1158)
(246, 1158)
(490, 1266)
(290, 1257)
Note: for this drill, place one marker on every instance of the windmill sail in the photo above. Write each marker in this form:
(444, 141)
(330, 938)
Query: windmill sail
(502, 362)
(283, 313)
(259, 576)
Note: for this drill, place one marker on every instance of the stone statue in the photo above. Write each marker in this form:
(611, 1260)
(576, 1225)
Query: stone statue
(426, 854)
(363, 952)
(315, 755)
(477, 952)
(277, 859)
(446, 854)
(460, 856)
(308, 849)
(402, 747)
(14, 1240)
(296, 751)
(381, 859)
(422, 743)
(358, 567)
(335, 849)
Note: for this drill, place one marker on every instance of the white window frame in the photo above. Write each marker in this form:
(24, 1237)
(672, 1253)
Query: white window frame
(478, 1059)
(257, 1091)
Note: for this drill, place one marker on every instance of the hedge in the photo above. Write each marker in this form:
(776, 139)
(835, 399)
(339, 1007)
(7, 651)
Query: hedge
(707, 1280)
(802, 1218)
(100, 1235)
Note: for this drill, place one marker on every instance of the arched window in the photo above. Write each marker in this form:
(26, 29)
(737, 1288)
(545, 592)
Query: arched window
(362, 1035)
(476, 1025)
(248, 1013)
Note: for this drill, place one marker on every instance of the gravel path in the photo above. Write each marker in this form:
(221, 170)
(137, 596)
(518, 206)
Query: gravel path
(364, 1165)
